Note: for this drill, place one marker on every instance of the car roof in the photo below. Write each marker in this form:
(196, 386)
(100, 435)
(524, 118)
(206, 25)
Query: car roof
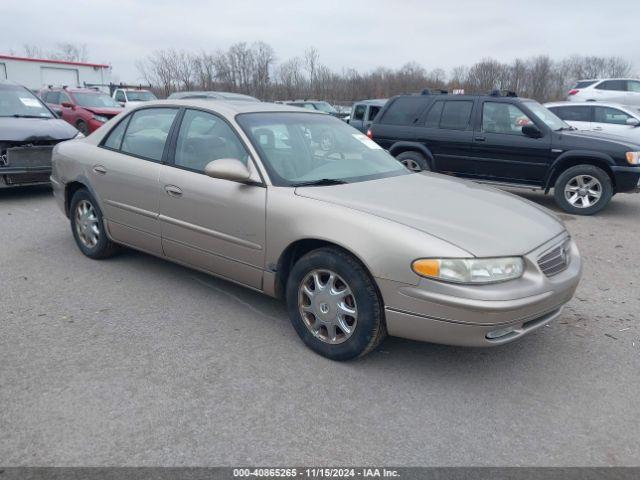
(213, 94)
(372, 101)
(228, 107)
(75, 90)
(450, 96)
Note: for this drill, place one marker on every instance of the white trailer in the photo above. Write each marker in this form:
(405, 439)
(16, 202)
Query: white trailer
(37, 73)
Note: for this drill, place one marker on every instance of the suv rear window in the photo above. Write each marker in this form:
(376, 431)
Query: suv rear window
(456, 115)
(403, 110)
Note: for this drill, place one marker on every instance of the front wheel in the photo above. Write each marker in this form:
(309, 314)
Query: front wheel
(583, 190)
(334, 305)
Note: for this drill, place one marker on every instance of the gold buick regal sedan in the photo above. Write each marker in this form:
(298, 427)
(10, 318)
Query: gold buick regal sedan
(299, 205)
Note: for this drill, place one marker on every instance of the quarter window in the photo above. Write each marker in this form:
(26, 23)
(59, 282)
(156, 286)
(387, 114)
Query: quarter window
(147, 132)
(503, 118)
(456, 115)
(204, 138)
(358, 113)
(114, 140)
(404, 110)
(611, 115)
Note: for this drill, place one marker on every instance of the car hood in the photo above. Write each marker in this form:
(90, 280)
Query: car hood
(598, 140)
(483, 221)
(112, 112)
(33, 129)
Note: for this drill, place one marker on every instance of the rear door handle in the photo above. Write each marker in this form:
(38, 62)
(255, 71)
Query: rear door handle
(597, 128)
(480, 139)
(173, 191)
(100, 169)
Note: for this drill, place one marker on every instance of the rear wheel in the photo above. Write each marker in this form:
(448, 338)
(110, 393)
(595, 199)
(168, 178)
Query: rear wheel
(414, 161)
(334, 305)
(583, 190)
(87, 225)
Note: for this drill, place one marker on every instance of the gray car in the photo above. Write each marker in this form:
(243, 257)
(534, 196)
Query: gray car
(358, 246)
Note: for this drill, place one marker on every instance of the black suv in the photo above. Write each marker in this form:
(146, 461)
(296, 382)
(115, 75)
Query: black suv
(502, 139)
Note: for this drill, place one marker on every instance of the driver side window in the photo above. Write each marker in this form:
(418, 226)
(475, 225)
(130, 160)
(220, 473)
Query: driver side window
(503, 118)
(204, 137)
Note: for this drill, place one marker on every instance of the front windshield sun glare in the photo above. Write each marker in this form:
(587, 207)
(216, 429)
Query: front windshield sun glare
(308, 148)
(549, 118)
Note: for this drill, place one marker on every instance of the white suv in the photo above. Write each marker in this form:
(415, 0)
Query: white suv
(618, 90)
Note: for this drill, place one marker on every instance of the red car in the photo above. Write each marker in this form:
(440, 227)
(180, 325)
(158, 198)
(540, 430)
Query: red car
(84, 108)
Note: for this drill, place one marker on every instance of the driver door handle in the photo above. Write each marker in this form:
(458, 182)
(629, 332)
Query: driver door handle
(479, 139)
(100, 169)
(173, 191)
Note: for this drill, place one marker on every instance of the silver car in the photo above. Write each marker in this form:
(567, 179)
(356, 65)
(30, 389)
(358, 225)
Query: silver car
(358, 246)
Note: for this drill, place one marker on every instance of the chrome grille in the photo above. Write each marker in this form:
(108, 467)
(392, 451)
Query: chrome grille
(555, 260)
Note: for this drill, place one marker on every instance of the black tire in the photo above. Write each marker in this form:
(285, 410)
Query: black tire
(82, 126)
(414, 161)
(103, 247)
(569, 176)
(369, 329)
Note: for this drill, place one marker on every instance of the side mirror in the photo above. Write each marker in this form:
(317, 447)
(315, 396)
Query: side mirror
(228, 169)
(531, 130)
(68, 105)
(633, 122)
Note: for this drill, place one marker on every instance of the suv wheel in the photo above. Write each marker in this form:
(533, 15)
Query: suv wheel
(583, 190)
(414, 161)
(87, 226)
(334, 305)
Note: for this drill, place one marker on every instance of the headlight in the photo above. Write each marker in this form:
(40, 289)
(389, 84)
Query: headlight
(470, 270)
(79, 135)
(100, 118)
(633, 158)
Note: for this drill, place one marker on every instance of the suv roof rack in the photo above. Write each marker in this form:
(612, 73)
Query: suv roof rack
(435, 91)
(502, 93)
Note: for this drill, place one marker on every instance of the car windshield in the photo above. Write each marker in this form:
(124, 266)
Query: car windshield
(17, 101)
(325, 107)
(140, 96)
(301, 148)
(95, 100)
(547, 116)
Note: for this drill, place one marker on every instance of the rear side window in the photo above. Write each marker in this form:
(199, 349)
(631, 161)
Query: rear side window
(358, 113)
(433, 117)
(584, 84)
(147, 132)
(633, 86)
(617, 85)
(404, 110)
(611, 115)
(456, 115)
(576, 114)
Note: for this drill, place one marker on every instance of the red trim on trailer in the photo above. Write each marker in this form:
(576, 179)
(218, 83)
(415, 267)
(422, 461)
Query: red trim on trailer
(59, 62)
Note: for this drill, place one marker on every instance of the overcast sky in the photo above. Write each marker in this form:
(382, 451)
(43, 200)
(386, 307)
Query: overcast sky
(359, 34)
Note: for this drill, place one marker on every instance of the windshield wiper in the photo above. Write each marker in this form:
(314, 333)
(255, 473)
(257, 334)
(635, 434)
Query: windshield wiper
(320, 183)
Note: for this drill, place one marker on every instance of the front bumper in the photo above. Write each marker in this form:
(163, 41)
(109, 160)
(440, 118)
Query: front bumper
(464, 315)
(627, 179)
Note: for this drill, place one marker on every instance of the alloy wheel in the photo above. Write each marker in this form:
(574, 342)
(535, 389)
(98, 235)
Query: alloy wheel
(327, 306)
(583, 191)
(411, 164)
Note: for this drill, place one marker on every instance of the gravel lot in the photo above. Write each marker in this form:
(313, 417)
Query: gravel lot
(136, 361)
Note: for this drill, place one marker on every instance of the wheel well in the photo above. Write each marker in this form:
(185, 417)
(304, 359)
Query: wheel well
(294, 252)
(572, 162)
(408, 148)
(70, 189)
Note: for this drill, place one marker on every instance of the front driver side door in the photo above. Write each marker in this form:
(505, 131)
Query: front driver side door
(208, 223)
(503, 152)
